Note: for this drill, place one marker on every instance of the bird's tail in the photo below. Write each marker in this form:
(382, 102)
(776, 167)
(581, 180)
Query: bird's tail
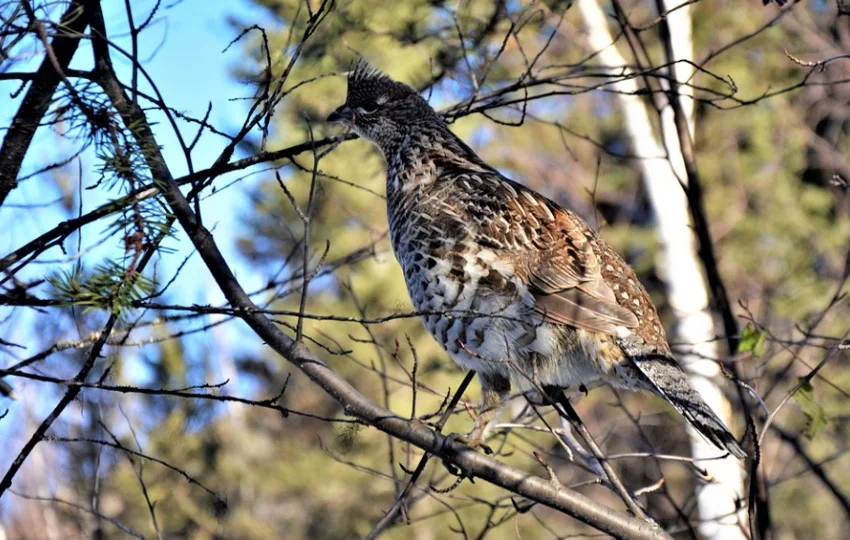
(670, 382)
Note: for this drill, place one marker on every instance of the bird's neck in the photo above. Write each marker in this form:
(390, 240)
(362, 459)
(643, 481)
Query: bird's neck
(424, 154)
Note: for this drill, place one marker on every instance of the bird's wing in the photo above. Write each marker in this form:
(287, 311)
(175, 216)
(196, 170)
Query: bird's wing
(559, 262)
(567, 285)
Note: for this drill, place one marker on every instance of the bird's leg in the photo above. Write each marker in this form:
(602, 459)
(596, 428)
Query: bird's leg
(494, 391)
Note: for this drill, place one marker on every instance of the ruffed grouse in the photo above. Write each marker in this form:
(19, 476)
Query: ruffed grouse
(512, 285)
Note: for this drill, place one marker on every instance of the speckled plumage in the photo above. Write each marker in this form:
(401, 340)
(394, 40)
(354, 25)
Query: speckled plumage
(510, 284)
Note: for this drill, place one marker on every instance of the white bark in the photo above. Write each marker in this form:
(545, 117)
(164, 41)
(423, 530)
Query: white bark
(686, 286)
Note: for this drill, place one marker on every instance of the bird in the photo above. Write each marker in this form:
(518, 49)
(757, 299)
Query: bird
(511, 285)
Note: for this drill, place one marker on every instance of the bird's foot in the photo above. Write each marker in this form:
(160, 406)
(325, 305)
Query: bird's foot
(474, 440)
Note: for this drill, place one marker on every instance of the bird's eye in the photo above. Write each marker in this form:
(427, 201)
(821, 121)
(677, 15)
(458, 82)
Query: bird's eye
(367, 110)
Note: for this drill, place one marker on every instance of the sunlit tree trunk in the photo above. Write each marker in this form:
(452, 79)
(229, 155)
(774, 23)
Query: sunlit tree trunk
(662, 170)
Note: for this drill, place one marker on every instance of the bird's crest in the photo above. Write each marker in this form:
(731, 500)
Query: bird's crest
(371, 86)
(362, 72)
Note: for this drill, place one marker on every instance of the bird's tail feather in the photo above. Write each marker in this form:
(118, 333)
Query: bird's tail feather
(710, 426)
(670, 382)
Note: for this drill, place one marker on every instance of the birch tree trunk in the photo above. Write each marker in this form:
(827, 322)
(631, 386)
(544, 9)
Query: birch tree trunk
(663, 172)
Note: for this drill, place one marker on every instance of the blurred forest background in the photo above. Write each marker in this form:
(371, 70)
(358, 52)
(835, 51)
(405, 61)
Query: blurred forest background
(190, 426)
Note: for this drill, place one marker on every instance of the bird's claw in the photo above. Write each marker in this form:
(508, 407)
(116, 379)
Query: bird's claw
(471, 440)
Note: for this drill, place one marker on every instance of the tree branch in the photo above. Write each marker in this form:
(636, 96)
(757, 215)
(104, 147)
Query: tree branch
(354, 403)
(38, 98)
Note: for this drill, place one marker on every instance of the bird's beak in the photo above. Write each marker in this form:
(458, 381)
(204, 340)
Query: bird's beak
(342, 114)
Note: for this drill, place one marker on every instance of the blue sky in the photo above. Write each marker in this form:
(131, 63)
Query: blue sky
(183, 54)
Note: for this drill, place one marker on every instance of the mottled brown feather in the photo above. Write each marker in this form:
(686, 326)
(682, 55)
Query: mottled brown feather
(559, 261)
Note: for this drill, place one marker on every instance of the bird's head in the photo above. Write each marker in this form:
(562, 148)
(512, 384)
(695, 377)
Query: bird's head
(380, 109)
